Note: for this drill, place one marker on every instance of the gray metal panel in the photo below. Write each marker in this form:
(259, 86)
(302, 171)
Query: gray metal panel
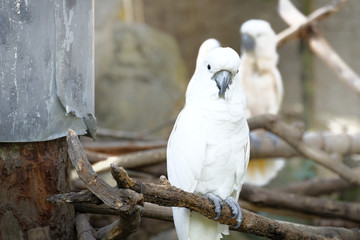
(46, 69)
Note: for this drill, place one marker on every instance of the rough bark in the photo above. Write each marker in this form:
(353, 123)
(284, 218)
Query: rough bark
(30, 172)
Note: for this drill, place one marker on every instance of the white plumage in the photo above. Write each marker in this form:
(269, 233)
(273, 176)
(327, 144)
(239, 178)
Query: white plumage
(262, 84)
(208, 149)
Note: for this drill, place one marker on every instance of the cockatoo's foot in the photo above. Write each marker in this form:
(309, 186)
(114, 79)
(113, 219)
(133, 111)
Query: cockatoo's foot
(255, 140)
(235, 208)
(217, 203)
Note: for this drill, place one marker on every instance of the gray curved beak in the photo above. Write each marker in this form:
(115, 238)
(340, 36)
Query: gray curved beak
(223, 80)
(247, 42)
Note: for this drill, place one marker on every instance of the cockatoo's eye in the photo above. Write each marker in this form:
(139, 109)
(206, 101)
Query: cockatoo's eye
(208, 66)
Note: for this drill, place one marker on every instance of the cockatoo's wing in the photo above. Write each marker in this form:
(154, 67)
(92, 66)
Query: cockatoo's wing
(186, 155)
(242, 169)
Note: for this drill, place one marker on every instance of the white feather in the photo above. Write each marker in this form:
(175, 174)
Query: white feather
(208, 149)
(263, 87)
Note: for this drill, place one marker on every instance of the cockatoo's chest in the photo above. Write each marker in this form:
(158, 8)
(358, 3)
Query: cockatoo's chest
(261, 92)
(225, 139)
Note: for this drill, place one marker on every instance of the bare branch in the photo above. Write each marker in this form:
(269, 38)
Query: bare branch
(294, 138)
(317, 187)
(311, 205)
(252, 223)
(324, 51)
(116, 198)
(121, 147)
(299, 24)
(84, 230)
(132, 160)
(167, 195)
(123, 227)
(272, 146)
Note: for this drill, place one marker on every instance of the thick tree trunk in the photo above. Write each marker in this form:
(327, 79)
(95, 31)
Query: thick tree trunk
(29, 173)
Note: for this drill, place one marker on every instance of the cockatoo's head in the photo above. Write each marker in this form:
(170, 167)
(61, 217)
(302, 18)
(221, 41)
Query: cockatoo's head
(205, 48)
(258, 38)
(215, 74)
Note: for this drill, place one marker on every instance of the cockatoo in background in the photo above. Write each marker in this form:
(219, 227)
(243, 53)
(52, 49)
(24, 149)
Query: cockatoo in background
(208, 149)
(262, 84)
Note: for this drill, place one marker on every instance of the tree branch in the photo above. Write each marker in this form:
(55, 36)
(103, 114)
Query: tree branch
(116, 198)
(299, 24)
(304, 204)
(294, 137)
(317, 187)
(84, 230)
(318, 44)
(167, 195)
(252, 223)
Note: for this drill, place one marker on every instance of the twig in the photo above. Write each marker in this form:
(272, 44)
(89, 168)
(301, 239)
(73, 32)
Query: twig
(317, 187)
(272, 146)
(323, 50)
(94, 157)
(300, 24)
(123, 227)
(122, 199)
(304, 204)
(132, 160)
(83, 228)
(267, 146)
(121, 147)
(120, 135)
(130, 135)
(318, 44)
(294, 138)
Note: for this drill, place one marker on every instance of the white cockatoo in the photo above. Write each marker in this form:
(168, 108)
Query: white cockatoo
(262, 84)
(208, 149)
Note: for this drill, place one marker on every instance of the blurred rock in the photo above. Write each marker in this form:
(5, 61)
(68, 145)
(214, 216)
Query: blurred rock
(140, 77)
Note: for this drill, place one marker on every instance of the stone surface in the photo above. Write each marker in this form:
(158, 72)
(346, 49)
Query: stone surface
(144, 80)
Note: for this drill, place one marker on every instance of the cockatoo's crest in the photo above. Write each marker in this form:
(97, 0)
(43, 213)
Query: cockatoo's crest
(205, 48)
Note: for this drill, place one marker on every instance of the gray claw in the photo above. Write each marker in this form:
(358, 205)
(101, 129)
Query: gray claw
(235, 209)
(217, 203)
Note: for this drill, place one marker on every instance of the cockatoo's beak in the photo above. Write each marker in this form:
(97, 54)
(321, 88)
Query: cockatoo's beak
(247, 42)
(223, 80)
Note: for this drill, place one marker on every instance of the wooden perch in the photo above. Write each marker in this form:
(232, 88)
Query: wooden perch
(303, 204)
(318, 44)
(317, 187)
(267, 147)
(272, 146)
(127, 224)
(299, 24)
(294, 137)
(167, 195)
(84, 229)
(132, 160)
(121, 147)
(122, 199)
